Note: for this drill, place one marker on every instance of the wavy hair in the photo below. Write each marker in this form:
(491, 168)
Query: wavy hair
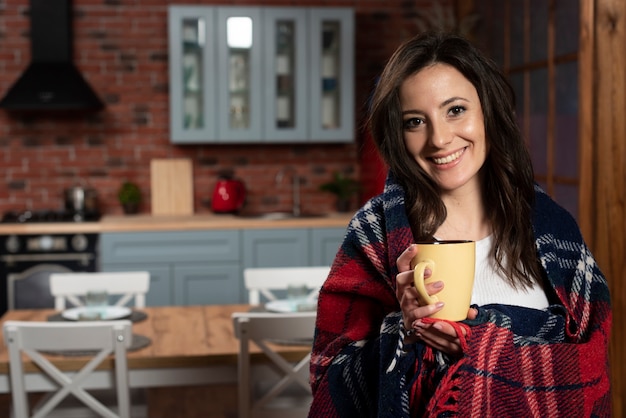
(508, 188)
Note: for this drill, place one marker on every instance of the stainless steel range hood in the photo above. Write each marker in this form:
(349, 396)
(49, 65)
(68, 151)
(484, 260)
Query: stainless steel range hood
(51, 81)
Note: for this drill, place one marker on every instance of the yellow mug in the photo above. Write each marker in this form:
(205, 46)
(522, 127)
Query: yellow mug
(451, 262)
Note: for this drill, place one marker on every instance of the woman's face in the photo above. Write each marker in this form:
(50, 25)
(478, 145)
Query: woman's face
(443, 127)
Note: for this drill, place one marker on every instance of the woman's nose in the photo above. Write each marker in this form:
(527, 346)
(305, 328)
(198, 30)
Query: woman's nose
(440, 135)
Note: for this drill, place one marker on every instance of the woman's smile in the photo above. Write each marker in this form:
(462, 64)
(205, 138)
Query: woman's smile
(454, 157)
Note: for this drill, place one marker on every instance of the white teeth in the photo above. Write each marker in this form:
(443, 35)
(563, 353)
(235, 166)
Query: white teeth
(449, 158)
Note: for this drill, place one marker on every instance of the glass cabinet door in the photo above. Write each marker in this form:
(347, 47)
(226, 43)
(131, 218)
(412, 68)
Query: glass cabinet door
(261, 74)
(239, 74)
(192, 82)
(285, 86)
(332, 74)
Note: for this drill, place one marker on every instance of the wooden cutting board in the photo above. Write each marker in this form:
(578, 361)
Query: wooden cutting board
(172, 186)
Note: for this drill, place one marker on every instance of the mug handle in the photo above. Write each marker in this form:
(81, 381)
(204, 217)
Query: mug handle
(418, 279)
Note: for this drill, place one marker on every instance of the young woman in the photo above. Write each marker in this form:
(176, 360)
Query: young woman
(536, 339)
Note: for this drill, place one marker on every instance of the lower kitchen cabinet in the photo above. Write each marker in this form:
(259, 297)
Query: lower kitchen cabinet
(276, 247)
(186, 267)
(206, 284)
(325, 243)
(206, 267)
(291, 247)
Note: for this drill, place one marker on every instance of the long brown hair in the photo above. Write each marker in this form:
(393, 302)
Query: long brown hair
(507, 172)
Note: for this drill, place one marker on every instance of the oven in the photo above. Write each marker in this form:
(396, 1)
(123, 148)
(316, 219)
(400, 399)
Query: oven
(27, 260)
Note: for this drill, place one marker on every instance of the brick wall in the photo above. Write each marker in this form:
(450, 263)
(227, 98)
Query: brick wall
(121, 48)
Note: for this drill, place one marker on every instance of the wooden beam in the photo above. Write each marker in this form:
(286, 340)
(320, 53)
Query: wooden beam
(603, 170)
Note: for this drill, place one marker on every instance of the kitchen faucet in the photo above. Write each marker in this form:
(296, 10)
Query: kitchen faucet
(295, 187)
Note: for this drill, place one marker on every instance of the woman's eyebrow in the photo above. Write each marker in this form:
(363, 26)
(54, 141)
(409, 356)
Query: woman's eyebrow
(452, 99)
(442, 105)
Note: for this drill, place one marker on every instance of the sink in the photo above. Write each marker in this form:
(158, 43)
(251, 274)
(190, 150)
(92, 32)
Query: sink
(277, 216)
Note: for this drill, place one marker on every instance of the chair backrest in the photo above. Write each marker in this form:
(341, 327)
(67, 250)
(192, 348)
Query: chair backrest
(101, 337)
(263, 280)
(127, 285)
(30, 289)
(265, 330)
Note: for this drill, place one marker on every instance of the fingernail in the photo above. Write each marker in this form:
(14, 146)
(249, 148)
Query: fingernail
(418, 324)
(437, 326)
(438, 284)
(439, 305)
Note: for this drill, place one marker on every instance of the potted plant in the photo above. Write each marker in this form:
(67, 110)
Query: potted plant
(129, 196)
(344, 188)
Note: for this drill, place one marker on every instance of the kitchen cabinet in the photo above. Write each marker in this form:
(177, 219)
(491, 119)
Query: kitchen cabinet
(325, 243)
(193, 110)
(291, 247)
(276, 247)
(186, 267)
(205, 267)
(261, 74)
(332, 72)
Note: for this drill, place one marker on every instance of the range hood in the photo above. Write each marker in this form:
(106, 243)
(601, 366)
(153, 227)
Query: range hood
(51, 81)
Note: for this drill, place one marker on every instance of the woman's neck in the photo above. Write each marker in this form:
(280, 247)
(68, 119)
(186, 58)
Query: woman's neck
(466, 219)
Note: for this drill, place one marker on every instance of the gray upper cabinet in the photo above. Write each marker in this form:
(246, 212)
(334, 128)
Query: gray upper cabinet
(332, 74)
(192, 53)
(285, 100)
(239, 74)
(261, 74)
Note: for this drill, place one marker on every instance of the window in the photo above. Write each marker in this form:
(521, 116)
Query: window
(536, 42)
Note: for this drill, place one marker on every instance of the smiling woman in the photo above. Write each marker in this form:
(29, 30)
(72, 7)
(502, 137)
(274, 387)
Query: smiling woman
(443, 118)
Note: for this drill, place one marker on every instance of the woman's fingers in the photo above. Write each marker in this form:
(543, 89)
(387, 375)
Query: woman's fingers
(472, 313)
(426, 310)
(439, 335)
(404, 260)
(434, 287)
(440, 342)
(407, 294)
(404, 279)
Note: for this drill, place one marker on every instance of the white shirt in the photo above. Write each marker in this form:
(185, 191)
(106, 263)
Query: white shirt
(491, 287)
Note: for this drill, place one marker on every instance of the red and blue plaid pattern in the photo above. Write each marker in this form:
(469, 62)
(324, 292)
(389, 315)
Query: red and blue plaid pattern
(518, 362)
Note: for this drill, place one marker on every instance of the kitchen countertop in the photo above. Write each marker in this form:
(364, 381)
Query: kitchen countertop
(136, 223)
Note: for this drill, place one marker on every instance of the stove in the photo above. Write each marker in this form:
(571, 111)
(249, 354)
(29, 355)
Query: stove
(27, 260)
(40, 216)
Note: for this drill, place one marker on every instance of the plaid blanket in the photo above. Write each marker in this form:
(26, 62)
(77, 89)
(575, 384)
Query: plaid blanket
(517, 362)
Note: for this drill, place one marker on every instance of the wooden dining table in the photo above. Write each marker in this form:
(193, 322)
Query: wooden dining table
(189, 345)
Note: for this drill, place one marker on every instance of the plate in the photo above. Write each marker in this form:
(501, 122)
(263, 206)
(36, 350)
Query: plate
(291, 305)
(106, 312)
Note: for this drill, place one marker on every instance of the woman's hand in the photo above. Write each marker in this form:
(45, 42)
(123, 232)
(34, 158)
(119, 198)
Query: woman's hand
(439, 335)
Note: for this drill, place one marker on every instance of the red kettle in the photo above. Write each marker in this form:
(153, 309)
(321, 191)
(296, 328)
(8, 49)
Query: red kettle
(228, 196)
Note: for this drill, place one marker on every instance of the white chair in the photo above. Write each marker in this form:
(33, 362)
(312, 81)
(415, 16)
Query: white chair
(128, 285)
(289, 393)
(101, 337)
(264, 280)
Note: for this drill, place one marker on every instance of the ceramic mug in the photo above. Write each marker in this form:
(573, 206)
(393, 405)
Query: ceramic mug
(451, 262)
(95, 302)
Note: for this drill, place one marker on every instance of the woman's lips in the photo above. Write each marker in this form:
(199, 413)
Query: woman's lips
(449, 158)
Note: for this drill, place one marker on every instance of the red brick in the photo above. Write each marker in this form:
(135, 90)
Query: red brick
(122, 51)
